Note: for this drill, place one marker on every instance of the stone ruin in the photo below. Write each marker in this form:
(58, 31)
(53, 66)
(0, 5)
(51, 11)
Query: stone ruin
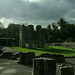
(46, 64)
(31, 38)
(69, 45)
(8, 54)
(64, 69)
(26, 58)
(58, 57)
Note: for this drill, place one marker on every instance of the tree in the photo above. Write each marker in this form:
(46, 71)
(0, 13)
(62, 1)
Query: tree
(62, 24)
(55, 27)
(70, 31)
(13, 30)
(2, 30)
(1, 25)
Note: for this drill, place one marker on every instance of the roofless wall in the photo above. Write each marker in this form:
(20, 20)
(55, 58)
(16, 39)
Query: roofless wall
(30, 38)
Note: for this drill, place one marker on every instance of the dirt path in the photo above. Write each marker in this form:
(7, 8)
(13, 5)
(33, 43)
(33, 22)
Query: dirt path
(11, 67)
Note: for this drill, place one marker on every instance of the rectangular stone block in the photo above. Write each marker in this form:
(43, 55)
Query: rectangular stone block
(27, 58)
(38, 66)
(49, 67)
(65, 69)
(7, 54)
(44, 66)
(58, 57)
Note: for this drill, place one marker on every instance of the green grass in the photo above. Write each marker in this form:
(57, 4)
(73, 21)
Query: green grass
(49, 49)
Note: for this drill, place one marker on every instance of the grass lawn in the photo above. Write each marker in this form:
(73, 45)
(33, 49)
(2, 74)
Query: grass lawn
(49, 49)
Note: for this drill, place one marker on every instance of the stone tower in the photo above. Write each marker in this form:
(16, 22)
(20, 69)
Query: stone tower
(21, 36)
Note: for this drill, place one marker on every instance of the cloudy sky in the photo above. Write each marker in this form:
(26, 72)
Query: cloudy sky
(36, 12)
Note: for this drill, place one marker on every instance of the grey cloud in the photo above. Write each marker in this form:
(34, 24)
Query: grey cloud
(49, 9)
(42, 12)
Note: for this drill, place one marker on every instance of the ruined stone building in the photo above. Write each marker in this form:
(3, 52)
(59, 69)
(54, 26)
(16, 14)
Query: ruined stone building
(7, 42)
(31, 38)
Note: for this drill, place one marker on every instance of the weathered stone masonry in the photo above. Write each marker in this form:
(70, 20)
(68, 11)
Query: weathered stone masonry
(44, 66)
(31, 38)
(48, 66)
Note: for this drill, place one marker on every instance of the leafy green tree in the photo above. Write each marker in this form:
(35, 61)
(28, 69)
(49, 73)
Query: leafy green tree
(13, 30)
(62, 24)
(55, 27)
(70, 31)
(1, 25)
(49, 29)
(2, 30)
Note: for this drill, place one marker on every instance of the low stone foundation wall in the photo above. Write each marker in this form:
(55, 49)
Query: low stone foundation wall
(69, 45)
(7, 54)
(10, 55)
(58, 57)
(26, 58)
(47, 66)
(65, 69)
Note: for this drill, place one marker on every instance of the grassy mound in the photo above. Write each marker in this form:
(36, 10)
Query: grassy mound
(49, 49)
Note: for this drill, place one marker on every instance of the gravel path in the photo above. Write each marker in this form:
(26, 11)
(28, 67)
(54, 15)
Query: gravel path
(11, 67)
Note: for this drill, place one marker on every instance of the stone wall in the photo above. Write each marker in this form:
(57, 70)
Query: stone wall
(58, 57)
(31, 38)
(44, 66)
(26, 58)
(69, 45)
(65, 69)
(47, 66)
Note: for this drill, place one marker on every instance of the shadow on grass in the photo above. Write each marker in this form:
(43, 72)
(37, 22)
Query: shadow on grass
(53, 50)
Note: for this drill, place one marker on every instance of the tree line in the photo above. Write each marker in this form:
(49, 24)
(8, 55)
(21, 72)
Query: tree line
(56, 32)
